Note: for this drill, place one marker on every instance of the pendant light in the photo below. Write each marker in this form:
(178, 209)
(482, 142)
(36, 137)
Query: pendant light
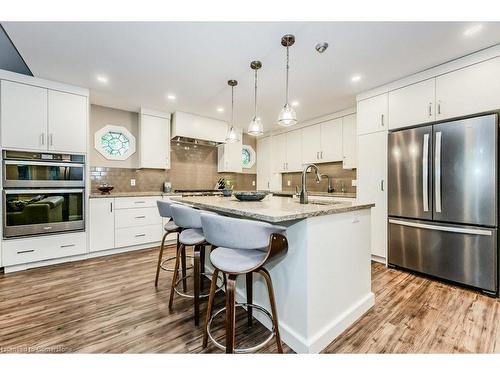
(232, 136)
(287, 116)
(255, 127)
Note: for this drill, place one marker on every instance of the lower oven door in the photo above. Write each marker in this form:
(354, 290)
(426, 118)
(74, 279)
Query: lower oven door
(40, 211)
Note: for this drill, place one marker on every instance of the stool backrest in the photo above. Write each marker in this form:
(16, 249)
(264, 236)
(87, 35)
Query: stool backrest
(164, 208)
(186, 217)
(222, 231)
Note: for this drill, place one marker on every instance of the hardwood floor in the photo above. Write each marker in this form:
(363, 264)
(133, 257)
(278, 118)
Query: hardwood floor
(110, 305)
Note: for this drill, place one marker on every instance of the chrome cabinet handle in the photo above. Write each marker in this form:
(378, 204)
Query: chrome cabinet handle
(430, 109)
(110, 206)
(140, 202)
(70, 245)
(439, 108)
(425, 173)
(437, 172)
(140, 217)
(42, 139)
(140, 235)
(51, 139)
(381, 185)
(321, 155)
(25, 251)
(382, 119)
(317, 155)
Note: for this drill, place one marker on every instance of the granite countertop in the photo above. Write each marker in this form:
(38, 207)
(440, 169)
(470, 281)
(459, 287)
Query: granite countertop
(272, 209)
(317, 194)
(145, 194)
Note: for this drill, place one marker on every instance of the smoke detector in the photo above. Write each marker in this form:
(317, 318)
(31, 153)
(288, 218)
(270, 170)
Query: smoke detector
(321, 47)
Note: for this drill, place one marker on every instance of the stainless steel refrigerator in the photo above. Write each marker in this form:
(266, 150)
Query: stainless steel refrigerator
(443, 200)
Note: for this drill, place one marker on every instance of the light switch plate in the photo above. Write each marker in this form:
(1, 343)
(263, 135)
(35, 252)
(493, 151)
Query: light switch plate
(253, 183)
(132, 182)
(288, 183)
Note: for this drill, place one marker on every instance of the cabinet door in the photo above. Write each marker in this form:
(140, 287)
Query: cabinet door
(470, 90)
(154, 134)
(331, 141)
(102, 224)
(278, 153)
(230, 156)
(311, 144)
(372, 114)
(23, 114)
(294, 151)
(67, 122)
(371, 186)
(412, 105)
(264, 165)
(349, 142)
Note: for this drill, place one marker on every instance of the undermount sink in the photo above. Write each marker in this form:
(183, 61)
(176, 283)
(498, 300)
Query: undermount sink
(320, 202)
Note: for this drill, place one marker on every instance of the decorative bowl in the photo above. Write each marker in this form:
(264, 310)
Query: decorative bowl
(105, 188)
(227, 192)
(250, 195)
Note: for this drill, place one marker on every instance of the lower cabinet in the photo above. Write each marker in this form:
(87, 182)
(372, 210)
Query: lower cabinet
(35, 249)
(102, 224)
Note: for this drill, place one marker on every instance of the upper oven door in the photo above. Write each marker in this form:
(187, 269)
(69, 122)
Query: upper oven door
(31, 174)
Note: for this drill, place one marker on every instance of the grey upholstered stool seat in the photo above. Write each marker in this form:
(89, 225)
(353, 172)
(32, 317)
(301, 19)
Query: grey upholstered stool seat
(190, 237)
(170, 227)
(242, 247)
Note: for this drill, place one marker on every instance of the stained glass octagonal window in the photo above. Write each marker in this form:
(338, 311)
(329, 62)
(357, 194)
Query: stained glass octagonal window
(114, 142)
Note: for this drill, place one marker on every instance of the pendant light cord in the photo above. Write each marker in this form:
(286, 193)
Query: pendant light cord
(287, 68)
(255, 96)
(232, 106)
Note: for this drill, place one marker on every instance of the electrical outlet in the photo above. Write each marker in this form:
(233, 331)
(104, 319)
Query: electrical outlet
(288, 183)
(354, 182)
(253, 183)
(132, 182)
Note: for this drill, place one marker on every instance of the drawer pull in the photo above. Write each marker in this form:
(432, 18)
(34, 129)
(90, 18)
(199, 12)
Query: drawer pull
(70, 245)
(140, 217)
(140, 202)
(25, 251)
(140, 235)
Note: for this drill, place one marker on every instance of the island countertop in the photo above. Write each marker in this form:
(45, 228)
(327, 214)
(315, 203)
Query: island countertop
(272, 209)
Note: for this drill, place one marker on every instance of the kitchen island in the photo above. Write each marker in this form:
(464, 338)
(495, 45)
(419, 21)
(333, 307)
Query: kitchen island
(323, 283)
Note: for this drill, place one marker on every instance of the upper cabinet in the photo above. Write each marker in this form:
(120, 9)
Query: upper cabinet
(349, 142)
(470, 90)
(266, 179)
(278, 153)
(35, 118)
(287, 152)
(23, 112)
(372, 114)
(230, 155)
(322, 143)
(154, 139)
(311, 143)
(413, 104)
(67, 127)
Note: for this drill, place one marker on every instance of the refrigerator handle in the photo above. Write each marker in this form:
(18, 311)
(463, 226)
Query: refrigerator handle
(425, 173)
(437, 171)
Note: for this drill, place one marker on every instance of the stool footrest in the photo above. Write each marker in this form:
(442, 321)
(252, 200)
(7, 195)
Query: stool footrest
(165, 268)
(185, 295)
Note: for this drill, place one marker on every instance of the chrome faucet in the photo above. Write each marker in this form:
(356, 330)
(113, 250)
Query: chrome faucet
(330, 188)
(303, 190)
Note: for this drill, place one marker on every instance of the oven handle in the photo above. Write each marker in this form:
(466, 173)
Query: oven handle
(42, 163)
(42, 191)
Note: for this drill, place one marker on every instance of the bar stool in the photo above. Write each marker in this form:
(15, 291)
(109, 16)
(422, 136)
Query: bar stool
(164, 208)
(242, 247)
(189, 219)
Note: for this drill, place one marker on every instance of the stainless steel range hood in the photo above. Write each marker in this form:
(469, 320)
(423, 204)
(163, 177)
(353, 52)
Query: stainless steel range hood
(194, 141)
(194, 129)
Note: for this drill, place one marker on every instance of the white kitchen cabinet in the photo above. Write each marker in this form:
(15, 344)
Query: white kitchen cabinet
(67, 124)
(349, 142)
(331, 141)
(293, 161)
(278, 152)
(230, 155)
(23, 118)
(102, 224)
(371, 187)
(311, 143)
(372, 114)
(469, 90)
(413, 104)
(154, 139)
(266, 178)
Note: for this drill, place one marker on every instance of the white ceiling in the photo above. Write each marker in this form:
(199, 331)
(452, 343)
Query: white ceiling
(146, 61)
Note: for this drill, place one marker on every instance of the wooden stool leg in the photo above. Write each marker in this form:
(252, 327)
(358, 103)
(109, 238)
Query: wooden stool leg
(174, 277)
(196, 281)
(202, 267)
(211, 297)
(249, 287)
(183, 266)
(270, 290)
(160, 256)
(230, 313)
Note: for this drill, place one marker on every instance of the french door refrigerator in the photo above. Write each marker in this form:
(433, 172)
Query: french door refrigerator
(443, 201)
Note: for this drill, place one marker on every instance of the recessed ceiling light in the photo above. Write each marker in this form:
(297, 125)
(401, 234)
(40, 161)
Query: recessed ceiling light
(220, 109)
(473, 30)
(295, 103)
(171, 97)
(102, 79)
(356, 78)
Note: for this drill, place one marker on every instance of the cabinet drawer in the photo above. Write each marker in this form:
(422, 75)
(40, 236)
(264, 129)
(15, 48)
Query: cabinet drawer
(136, 202)
(42, 248)
(138, 235)
(133, 217)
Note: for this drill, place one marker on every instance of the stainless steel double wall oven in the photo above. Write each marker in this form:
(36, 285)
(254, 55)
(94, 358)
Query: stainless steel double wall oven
(42, 193)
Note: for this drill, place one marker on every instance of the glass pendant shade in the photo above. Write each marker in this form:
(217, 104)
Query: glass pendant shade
(255, 127)
(287, 116)
(232, 136)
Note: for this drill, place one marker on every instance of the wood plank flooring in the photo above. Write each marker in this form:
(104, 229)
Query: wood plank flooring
(110, 305)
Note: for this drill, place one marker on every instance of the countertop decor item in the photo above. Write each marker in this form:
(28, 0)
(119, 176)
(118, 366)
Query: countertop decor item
(105, 188)
(114, 142)
(232, 135)
(255, 127)
(227, 192)
(250, 195)
(287, 116)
